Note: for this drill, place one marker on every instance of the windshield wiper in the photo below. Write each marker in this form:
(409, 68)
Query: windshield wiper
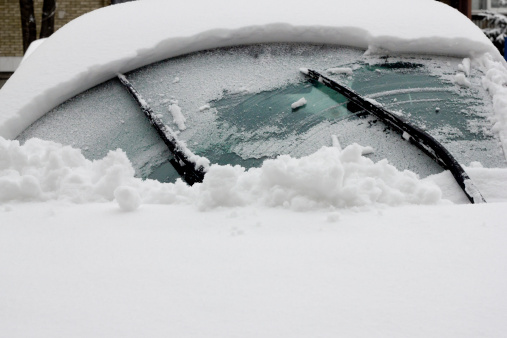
(415, 135)
(182, 162)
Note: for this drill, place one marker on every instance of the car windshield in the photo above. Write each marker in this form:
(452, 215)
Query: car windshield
(237, 105)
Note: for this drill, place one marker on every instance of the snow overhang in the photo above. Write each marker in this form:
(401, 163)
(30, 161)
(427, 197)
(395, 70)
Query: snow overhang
(120, 38)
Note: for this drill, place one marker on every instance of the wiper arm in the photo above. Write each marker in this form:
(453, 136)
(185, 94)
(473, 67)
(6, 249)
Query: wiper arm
(187, 168)
(415, 135)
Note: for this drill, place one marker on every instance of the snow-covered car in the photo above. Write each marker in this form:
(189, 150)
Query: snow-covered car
(266, 109)
(236, 103)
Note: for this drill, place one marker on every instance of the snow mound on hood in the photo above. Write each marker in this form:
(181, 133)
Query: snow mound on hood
(43, 170)
(329, 177)
(120, 38)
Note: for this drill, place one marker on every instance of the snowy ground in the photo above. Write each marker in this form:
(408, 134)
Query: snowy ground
(96, 271)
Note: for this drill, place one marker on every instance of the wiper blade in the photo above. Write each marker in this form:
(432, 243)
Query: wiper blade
(187, 168)
(415, 135)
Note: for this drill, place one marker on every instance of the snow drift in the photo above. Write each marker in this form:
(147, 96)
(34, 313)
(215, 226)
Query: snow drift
(44, 170)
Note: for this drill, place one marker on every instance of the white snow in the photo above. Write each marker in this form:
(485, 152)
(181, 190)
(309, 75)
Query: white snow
(495, 81)
(465, 66)
(233, 255)
(33, 46)
(178, 117)
(42, 170)
(340, 70)
(127, 197)
(117, 39)
(367, 150)
(331, 177)
(373, 101)
(169, 271)
(461, 79)
(335, 142)
(71, 267)
(327, 245)
(204, 107)
(299, 103)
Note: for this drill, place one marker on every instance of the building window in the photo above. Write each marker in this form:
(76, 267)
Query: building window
(499, 6)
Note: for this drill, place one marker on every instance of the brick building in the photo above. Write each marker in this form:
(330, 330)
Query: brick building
(11, 40)
(10, 20)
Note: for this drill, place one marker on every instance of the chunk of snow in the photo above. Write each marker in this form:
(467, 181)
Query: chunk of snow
(127, 198)
(460, 79)
(205, 107)
(178, 117)
(340, 70)
(367, 150)
(465, 66)
(304, 70)
(406, 136)
(43, 170)
(201, 162)
(176, 80)
(299, 103)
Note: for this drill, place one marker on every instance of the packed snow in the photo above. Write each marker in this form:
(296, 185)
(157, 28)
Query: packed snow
(461, 79)
(465, 66)
(204, 107)
(128, 198)
(330, 244)
(178, 117)
(299, 103)
(340, 70)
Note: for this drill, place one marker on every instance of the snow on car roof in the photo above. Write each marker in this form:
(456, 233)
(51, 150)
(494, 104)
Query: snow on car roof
(98, 45)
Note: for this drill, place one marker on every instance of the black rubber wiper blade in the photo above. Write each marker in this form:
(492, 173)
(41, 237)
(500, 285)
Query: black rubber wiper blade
(187, 168)
(414, 134)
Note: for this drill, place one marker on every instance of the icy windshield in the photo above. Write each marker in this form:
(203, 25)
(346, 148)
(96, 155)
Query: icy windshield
(241, 105)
